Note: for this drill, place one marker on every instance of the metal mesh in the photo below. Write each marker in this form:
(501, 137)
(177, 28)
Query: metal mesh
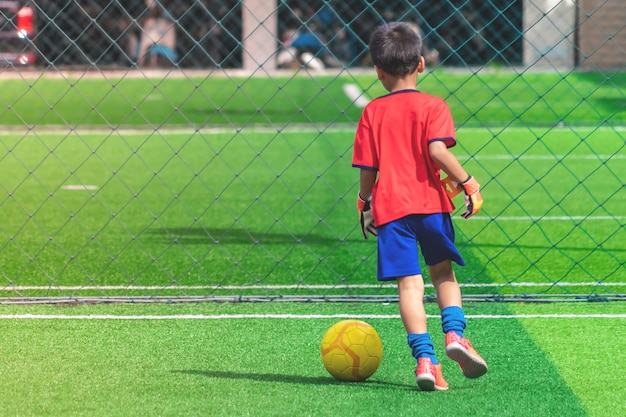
(147, 142)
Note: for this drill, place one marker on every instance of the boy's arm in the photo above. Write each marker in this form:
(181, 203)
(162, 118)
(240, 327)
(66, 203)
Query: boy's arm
(447, 161)
(452, 167)
(367, 180)
(363, 202)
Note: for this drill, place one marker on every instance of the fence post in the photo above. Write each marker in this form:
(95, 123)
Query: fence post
(259, 34)
(602, 38)
(549, 33)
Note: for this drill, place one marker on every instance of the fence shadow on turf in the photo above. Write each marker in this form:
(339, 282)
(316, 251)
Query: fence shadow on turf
(293, 379)
(581, 248)
(201, 235)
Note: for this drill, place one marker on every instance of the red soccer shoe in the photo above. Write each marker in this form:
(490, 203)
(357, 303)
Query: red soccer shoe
(460, 350)
(429, 376)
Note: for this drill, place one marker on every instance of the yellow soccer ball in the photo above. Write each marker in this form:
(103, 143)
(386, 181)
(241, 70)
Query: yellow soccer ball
(351, 350)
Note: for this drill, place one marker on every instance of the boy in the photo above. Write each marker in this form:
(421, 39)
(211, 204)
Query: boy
(400, 146)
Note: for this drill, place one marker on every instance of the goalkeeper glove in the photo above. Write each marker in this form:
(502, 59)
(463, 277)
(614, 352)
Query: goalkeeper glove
(473, 199)
(452, 187)
(366, 218)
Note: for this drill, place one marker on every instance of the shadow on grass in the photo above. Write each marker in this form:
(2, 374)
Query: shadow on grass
(201, 235)
(501, 246)
(218, 236)
(293, 379)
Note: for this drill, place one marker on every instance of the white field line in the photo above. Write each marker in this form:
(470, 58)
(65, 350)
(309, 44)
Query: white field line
(79, 187)
(167, 130)
(505, 157)
(52, 130)
(289, 316)
(547, 218)
(594, 157)
(356, 95)
(288, 287)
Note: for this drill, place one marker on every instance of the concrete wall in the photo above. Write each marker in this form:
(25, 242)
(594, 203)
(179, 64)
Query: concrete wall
(549, 33)
(259, 35)
(602, 34)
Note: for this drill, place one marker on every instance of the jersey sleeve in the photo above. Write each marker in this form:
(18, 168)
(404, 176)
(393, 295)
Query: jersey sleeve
(364, 154)
(441, 127)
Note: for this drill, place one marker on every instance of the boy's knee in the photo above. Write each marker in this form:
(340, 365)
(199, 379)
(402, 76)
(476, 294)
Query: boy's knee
(441, 271)
(410, 283)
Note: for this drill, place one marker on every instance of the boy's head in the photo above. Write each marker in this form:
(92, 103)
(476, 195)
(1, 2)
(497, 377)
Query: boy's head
(396, 48)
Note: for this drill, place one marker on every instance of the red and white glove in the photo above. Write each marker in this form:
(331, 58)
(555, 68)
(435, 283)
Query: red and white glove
(366, 218)
(473, 199)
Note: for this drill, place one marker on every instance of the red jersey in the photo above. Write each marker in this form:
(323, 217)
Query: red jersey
(392, 138)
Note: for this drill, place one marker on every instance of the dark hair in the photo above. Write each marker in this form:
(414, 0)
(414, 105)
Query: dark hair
(157, 11)
(396, 48)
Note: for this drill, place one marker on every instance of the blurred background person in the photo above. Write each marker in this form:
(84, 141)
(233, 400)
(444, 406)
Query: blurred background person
(158, 39)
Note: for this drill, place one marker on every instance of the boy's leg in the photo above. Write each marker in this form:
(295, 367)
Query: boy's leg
(428, 372)
(398, 259)
(411, 301)
(445, 283)
(453, 322)
(448, 297)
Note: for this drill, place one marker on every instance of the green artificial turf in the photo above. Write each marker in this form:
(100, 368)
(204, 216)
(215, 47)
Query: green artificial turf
(587, 352)
(242, 187)
(226, 210)
(260, 365)
(475, 99)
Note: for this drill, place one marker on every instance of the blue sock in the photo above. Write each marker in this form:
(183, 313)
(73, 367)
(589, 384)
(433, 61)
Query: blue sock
(453, 320)
(422, 346)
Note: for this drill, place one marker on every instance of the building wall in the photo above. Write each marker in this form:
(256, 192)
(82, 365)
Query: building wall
(602, 34)
(549, 33)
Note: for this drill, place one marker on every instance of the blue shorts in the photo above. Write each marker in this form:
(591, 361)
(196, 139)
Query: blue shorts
(398, 244)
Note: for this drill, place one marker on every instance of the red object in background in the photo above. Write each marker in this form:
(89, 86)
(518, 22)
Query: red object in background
(25, 22)
(18, 25)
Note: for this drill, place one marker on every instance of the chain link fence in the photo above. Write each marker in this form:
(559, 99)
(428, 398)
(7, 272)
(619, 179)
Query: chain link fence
(90, 86)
